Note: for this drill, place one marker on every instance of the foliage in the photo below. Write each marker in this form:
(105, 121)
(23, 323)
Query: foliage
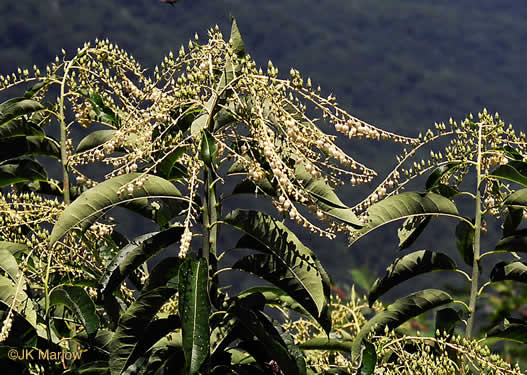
(495, 155)
(208, 120)
(394, 352)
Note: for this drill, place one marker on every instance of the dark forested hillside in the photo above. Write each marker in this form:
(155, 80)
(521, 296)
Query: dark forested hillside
(401, 65)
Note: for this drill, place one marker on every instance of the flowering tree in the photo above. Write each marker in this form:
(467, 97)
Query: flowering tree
(207, 127)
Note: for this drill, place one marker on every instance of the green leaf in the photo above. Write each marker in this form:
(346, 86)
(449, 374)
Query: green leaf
(516, 332)
(103, 113)
(511, 152)
(408, 266)
(292, 281)
(446, 320)
(156, 330)
(8, 263)
(20, 127)
(13, 248)
(516, 271)
(465, 241)
(325, 197)
(362, 277)
(194, 310)
(201, 122)
(446, 191)
(134, 324)
(36, 88)
(166, 355)
(94, 202)
(406, 205)
(238, 46)
(400, 311)
(21, 170)
(79, 302)
(516, 242)
(411, 229)
(509, 173)
(276, 297)
(23, 305)
(248, 186)
(95, 139)
(14, 147)
(291, 265)
(18, 107)
(435, 177)
(164, 272)
(271, 343)
(138, 251)
(369, 359)
(223, 118)
(512, 220)
(169, 169)
(160, 210)
(208, 147)
(518, 199)
(22, 333)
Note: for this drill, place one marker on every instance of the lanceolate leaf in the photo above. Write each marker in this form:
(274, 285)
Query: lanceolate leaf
(325, 197)
(194, 310)
(512, 220)
(272, 269)
(79, 302)
(400, 311)
(247, 186)
(136, 253)
(515, 242)
(408, 266)
(435, 177)
(156, 330)
(277, 298)
(8, 263)
(133, 325)
(21, 170)
(20, 127)
(406, 205)
(17, 108)
(91, 204)
(23, 332)
(238, 46)
(169, 169)
(464, 241)
(509, 173)
(23, 305)
(160, 210)
(518, 198)
(411, 229)
(36, 88)
(208, 147)
(13, 248)
(446, 320)
(369, 359)
(512, 332)
(95, 139)
(15, 147)
(256, 324)
(166, 355)
(293, 265)
(516, 271)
